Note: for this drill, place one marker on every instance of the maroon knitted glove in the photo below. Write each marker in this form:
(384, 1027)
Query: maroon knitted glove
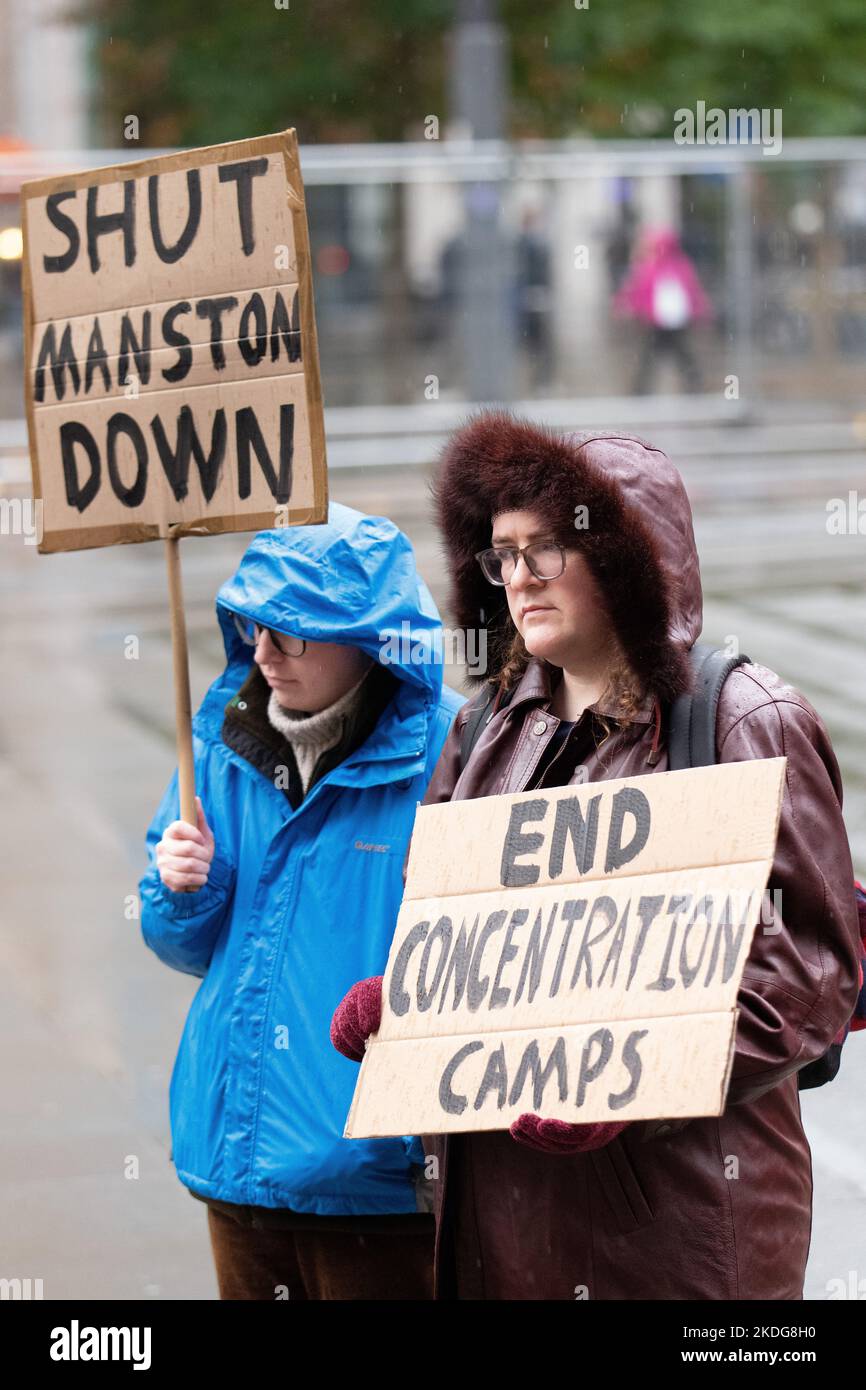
(356, 1017)
(558, 1137)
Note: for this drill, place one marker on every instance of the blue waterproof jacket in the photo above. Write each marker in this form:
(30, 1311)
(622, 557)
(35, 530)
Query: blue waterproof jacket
(299, 904)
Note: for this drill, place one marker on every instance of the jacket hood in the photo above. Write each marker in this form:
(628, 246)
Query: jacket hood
(659, 242)
(352, 580)
(639, 542)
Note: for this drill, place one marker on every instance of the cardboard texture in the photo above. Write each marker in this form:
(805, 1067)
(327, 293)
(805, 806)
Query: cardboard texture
(574, 951)
(173, 380)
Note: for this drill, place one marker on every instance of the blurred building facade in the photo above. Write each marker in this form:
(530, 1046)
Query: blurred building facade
(43, 75)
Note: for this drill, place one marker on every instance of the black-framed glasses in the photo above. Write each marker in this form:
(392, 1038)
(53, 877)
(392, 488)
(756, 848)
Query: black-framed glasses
(250, 632)
(545, 559)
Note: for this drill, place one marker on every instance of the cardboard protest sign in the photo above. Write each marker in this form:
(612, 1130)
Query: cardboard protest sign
(172, 366)
(573, 951)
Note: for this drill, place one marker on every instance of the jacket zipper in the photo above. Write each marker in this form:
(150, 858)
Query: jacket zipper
(294, 812)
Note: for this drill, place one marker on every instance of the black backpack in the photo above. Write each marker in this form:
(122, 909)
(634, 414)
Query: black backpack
(691, 743)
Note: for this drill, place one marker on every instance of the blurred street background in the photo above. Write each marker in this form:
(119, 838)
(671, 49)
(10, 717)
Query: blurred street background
(480, 181)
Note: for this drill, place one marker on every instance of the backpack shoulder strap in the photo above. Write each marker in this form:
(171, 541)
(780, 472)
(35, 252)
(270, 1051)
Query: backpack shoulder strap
(692, 733)
(479, 717)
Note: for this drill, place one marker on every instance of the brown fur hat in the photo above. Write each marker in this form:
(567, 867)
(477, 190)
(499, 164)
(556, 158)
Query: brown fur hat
(639, 541)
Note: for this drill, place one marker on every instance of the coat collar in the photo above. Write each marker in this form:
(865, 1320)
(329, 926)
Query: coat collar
(536, 683)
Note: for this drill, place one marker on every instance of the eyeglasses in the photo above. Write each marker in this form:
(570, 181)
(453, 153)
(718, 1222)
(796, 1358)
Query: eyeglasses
(250, 633)
(545, 559)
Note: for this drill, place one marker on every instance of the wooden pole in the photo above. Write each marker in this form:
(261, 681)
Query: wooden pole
(182, 704)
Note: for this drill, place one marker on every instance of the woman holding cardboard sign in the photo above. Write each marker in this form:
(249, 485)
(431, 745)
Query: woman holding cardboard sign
(312, 750)
(577, 554)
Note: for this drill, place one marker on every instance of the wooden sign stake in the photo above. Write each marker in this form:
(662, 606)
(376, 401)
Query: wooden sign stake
(182, 702)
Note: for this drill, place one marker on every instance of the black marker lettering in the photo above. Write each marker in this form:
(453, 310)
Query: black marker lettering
(60, 362)
(495, 1078)
(72, 433)
(281, 328)
(104, 223)
(129, 343)
(628, 801)
(584, 834)
(397, 995)
(498, 994)
(213, 309)
(119, 424)
(442, 932)
(616, 946)
(603, 1039)
(249, 435)
(732, 942)
(533, 961)
(243, 174)
(97, 359)
(64, 224)
(451, 1103)
(253, 354)
(458, 965)
(572, 910)
(170, 254)
(531, 1062)
(635, 1067)
(477, 988)
(511, 874)
(675, 906)
(704, 908)
(172, 338)
(602, 905)
(175, 462)
(647, 909)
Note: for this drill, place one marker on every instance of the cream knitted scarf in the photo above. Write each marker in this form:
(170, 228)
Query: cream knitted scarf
(312, 734)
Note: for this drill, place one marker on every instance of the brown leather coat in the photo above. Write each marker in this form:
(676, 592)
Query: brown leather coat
(708, 1208)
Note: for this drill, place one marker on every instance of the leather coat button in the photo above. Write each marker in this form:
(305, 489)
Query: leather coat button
(540, 727)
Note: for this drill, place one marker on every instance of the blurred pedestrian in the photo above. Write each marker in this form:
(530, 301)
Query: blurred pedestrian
(533, 298)
(312, 750)
(663, 292)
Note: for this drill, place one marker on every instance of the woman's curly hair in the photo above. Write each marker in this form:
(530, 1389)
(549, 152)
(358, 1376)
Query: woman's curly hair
(623, 686)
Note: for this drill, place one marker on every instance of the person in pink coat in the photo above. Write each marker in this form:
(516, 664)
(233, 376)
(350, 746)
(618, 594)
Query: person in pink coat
(662, 290)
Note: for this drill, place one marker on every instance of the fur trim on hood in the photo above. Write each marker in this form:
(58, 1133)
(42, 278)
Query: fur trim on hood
(639, 541)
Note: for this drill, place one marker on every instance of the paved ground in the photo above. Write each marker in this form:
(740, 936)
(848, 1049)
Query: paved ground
(90, 1020)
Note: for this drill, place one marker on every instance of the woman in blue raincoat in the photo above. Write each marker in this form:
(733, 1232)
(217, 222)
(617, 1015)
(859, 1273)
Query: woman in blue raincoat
(312, 750)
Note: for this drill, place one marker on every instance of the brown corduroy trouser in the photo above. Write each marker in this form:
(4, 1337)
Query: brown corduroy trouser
(267, 1262)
